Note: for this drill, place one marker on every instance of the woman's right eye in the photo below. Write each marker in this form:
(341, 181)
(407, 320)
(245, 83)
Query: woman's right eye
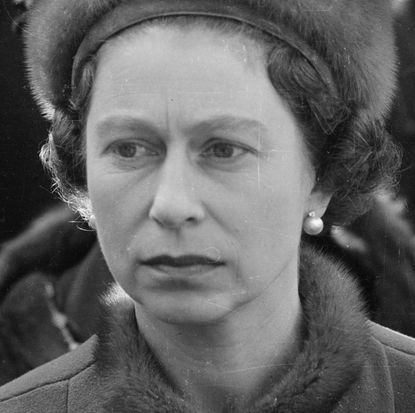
(131, 150)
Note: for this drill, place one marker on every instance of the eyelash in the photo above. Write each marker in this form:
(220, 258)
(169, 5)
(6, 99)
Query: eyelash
(139, 147)
(207, 153)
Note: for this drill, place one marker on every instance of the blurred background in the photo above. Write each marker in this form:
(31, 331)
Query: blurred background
(24, 187)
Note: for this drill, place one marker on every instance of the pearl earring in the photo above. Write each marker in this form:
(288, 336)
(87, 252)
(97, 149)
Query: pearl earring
(92, 221)
(313, 225)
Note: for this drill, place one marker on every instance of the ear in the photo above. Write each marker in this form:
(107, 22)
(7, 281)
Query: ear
(318, 202)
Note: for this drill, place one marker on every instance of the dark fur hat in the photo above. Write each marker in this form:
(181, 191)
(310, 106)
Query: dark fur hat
(352, 37)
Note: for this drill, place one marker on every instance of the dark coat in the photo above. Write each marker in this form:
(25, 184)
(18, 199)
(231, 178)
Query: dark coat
(347, 364)
(51, 279)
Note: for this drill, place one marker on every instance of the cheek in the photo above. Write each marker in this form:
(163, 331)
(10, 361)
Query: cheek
(104, 194)
(116, 205)
(118, 213)
(268, 220)
(277, 196)
(106, 204)
(273, 221)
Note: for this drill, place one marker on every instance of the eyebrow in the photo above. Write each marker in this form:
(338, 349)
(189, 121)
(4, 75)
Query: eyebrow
(125, 122)
(226, 122)
(229, 123)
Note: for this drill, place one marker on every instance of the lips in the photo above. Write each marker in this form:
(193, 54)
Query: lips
(181, 261)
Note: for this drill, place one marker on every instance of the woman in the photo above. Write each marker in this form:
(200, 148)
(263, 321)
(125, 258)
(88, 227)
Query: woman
(200, 139)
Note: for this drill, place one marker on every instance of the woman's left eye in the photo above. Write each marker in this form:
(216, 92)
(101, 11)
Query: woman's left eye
(224, 150)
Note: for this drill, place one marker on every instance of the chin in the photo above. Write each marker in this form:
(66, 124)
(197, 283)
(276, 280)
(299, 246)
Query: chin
(188, 309)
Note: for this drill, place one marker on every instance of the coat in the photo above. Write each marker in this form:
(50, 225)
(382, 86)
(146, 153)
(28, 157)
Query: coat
(347, 363)
(51, 279)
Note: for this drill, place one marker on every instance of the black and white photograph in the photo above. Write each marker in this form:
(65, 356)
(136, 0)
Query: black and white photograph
(207, 206)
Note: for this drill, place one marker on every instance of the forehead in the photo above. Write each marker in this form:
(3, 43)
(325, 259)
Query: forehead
(173, 54)
(163, 73)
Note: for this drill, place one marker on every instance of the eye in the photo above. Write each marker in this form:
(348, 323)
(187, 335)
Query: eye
(224, 150)
(128, 150)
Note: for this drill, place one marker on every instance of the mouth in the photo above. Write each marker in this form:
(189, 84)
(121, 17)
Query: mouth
(181, 261)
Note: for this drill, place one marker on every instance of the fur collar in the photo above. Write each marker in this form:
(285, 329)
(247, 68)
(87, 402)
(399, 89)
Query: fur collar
(330, 361)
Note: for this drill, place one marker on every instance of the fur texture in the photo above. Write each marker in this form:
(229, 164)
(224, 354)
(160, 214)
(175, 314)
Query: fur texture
(330, 360)
(354, 38)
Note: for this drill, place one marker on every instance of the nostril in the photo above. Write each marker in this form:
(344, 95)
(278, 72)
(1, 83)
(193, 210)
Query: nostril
(177, 213)
(170, 221)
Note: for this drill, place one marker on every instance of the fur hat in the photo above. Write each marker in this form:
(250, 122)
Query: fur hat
(350, 41)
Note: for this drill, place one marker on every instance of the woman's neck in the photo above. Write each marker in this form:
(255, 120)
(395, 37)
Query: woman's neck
(231, 361)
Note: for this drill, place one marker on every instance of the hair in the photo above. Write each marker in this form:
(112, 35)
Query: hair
(353, 157)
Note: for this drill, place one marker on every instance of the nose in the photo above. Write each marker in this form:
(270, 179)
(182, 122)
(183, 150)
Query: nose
(176, 203)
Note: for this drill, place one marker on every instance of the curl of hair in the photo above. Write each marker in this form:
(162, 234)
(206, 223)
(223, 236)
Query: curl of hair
(353, 157)
(64, 154)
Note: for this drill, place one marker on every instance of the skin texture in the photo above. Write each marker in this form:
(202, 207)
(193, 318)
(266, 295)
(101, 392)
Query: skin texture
(190, 150)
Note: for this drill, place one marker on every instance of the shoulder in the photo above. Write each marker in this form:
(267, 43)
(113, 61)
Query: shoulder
(398, 351)
(395, 359)
(45, 388)
(394, 341)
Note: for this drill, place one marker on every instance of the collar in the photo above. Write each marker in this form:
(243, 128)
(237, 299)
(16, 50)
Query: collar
(331, 359)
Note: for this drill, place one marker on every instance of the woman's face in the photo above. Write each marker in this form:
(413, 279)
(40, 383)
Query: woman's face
(197, 174)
